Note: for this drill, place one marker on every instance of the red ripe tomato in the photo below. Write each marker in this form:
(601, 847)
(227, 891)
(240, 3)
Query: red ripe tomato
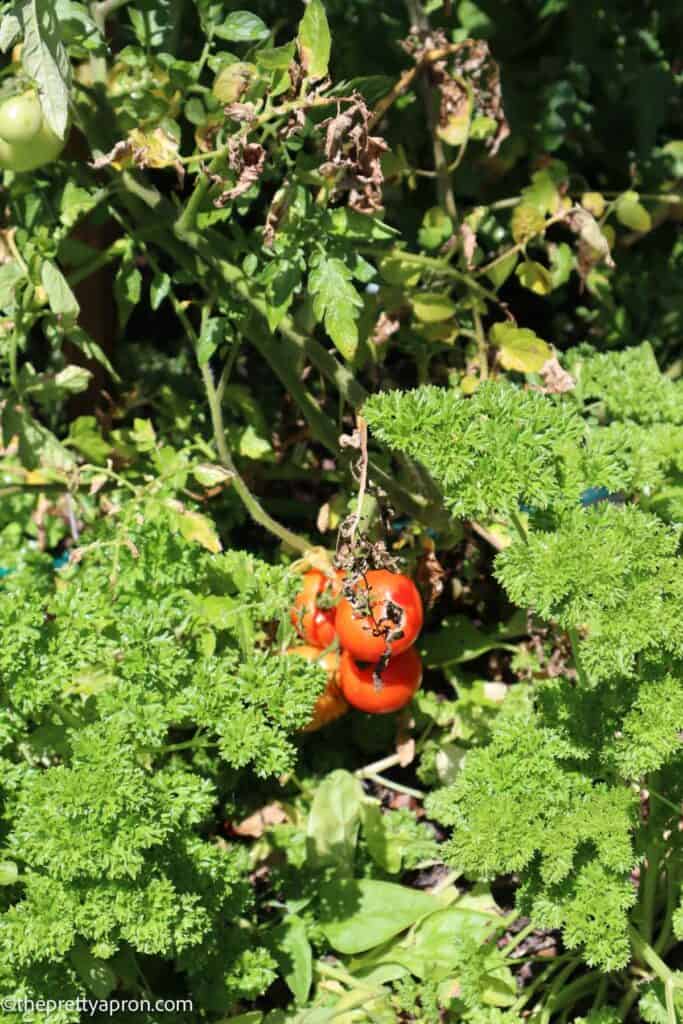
(395, 618)
(400, 680)
(330, 704)
(314, 612)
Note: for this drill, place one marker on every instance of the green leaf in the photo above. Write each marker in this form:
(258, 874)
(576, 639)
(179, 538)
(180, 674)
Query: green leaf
(143, 435)
(276, 58)
(535, 277)
(315, 42)
(520, 348)
(562, 263)
(334, 820)
(292, 950)
(158, 290)
(360, 914)
(336, 302)
(457, 641)
(11, 274)
(45, 60)
(212, 336)
(210, 475)
(9, 872)
(85, 436)
(62, 300)
(242, 27)
(631, 213)
(127, 290)
(198, 528)
(97, 975)
(437, 228)
(10, 27)
(499, 274)
(433, 307)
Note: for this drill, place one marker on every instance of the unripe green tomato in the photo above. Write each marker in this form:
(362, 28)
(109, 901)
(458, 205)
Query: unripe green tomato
(233, 80)
(26, 140)
(21, 117)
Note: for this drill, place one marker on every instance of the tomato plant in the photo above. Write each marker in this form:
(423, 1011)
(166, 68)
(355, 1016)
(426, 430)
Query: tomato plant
(380, 690)
(384, 613)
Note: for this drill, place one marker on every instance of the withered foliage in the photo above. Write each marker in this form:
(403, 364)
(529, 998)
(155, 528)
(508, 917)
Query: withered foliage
(353, 156)
(458, 72)
(247, 159)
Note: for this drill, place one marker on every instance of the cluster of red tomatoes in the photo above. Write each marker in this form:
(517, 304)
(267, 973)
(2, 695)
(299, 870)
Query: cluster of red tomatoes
(375, 623)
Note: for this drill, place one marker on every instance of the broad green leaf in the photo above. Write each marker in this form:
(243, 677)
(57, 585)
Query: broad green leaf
(527, 221)
(85, 436)
(252, 445)
(594, 202)
(535, 277)
(431, 952)
(73, 379)
(209, 475)
(96, 974)
(159, 288)
(292, 950)
(10, 27)
(315, 42)
(334, 820)
(387, 855)
(458, 640)
(631, 213)
(359, 914)
(127, 290)
(276, 58)
(62, 300)
(499, 988)
(9, 872)
(242, 27)
(155, 22)
(437, 228)
(542, 193)
(499, 274)
(562, 263)
(399, 272)
(520, 348)
(11, 274)
(45, 60)
(433, 307)
(336, 303)
(143, 435)
(211, 337)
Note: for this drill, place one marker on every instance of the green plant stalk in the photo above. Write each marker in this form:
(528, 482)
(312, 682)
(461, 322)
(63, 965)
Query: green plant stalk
(519, 526)
(580, 672)
(252, 505)
(648, 897)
